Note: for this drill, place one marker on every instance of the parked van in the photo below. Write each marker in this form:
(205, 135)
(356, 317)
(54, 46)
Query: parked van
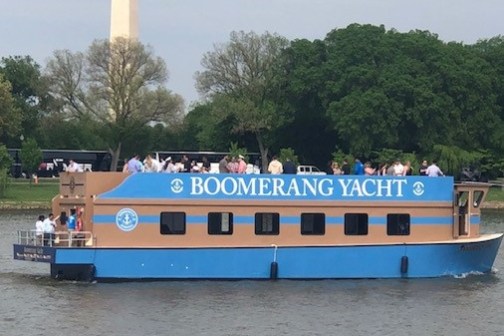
(309, 170)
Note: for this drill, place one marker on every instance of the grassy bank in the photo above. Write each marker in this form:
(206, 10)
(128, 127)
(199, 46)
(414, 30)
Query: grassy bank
(22, 195)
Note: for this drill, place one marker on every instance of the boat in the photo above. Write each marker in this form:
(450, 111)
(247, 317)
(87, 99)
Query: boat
(156, 226)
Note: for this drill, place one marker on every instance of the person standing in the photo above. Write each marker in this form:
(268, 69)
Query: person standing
(433, 170)
(223, 165)
(289, 167)
(275, 167)
(73, 167)
(39, 230)
(49, 229)
(242, 165)
(423, 168)
(345, 167)
(358, 168)
(134, 165)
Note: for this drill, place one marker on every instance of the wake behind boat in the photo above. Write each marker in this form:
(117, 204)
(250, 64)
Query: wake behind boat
(228, 226)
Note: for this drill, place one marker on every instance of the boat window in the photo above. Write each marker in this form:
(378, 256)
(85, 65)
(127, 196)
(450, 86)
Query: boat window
(312, 223)
(267, 223)
(356, 224)
(398, 224)
(220, 223)
(173, 223)
(462, 198)
(478, 197)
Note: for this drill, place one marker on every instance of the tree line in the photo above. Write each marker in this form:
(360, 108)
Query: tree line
(362, 91)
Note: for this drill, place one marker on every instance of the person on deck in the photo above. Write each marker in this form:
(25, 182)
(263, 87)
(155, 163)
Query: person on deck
(73, 167)
(39, 230)
(242, 165)
(275, 166)
(49, 229)
(433, 170)
(289, 167)
(358, 168)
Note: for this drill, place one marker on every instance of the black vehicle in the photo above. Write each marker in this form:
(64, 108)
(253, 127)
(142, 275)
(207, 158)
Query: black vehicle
(55, 161)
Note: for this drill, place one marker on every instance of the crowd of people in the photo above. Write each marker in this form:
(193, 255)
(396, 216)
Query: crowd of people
(396, 168)
(238, 165)
(45, 227)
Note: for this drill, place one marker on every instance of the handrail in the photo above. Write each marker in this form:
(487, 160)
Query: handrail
(58, 238)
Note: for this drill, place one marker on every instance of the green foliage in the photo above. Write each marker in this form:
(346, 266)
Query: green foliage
(288, 153)
(235, 151)
(10, 116)
(339, 157)
(451, 159)
(5, 164)
(31, 155)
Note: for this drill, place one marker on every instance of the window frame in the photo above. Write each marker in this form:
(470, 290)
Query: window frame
(397, 231)
(216, 228)
(259, 225)
(315, 231)
(171, 231)
(357, 232)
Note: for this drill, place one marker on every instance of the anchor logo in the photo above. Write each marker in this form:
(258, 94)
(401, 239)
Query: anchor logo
(418, 188)
(177, 186)
(126, 219)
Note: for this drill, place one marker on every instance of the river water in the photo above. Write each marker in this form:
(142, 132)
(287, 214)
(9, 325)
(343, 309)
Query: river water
(33, 304)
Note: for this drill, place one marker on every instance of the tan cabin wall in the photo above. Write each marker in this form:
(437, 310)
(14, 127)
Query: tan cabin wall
(78, 190)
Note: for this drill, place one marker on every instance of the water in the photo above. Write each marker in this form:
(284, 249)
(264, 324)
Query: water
(33, 304)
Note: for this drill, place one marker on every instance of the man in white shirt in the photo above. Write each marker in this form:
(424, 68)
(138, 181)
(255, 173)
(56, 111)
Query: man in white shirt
(73, 167)
(49, 226)
(433, 170)
(398, 168)
(39, 230)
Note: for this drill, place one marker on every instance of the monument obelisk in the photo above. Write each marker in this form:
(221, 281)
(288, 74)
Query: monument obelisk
(124, 19)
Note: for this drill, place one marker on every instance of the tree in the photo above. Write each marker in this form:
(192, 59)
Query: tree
(31, 156)
(29, 92)
(10, 117)
(239, 78)
(5, 164)
(118, 84)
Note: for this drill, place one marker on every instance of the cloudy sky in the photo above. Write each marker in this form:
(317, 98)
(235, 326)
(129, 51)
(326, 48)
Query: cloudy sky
(181, 31)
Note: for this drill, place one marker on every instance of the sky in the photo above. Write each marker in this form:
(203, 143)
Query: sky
(182, 31)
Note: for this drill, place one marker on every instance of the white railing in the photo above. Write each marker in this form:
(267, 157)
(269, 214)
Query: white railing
(58, 239)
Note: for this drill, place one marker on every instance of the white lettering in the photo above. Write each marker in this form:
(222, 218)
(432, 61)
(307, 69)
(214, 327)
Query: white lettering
(264, 187)
(301, 187)
(345, 184)
(293, 188)
(197, 186)
(384, 188)
(247, 189)
(278, 185)
(328, 191)
(365, 190)
(399, 187)
(229, 182)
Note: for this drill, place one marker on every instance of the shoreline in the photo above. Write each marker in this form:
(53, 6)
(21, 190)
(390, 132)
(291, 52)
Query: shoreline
(492, 205)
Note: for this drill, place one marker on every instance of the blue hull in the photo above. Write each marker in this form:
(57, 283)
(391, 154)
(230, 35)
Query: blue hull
(329, 262)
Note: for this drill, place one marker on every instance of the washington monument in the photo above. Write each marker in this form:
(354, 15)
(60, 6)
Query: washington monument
(124, 19)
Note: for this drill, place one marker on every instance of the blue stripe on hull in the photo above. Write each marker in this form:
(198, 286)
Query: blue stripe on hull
(425, 260)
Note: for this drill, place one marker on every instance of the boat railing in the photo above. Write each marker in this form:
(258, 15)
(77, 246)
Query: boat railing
(57, 239)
